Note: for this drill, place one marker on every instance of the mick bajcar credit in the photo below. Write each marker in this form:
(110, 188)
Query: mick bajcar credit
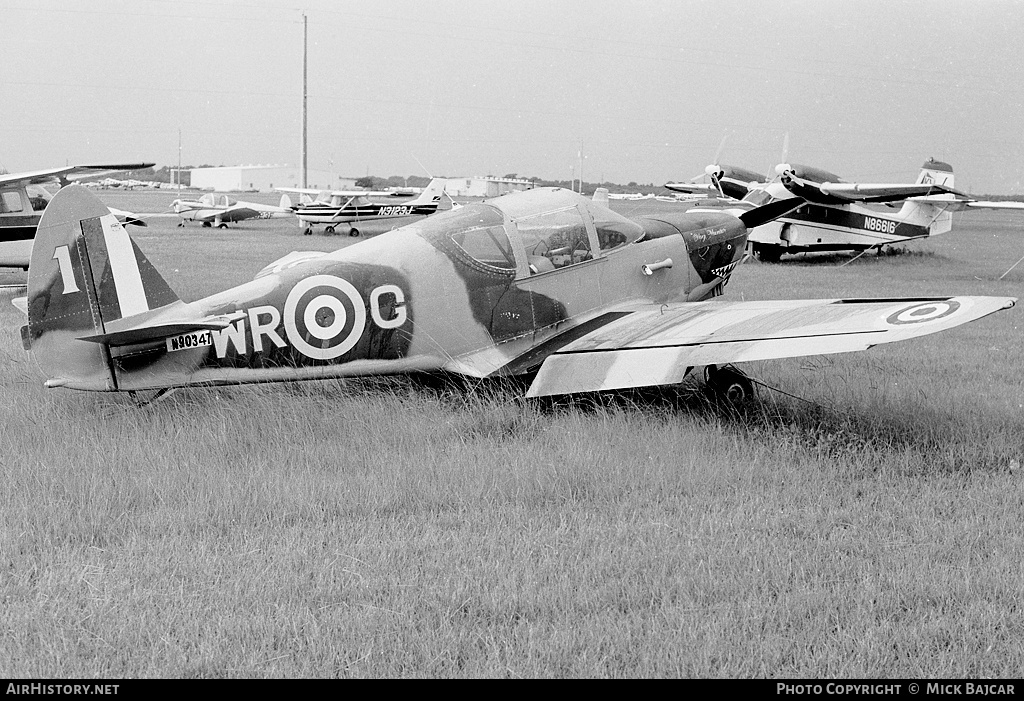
(912, 688)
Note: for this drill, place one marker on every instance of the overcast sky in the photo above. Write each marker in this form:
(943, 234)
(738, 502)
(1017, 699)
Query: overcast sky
(868, 90)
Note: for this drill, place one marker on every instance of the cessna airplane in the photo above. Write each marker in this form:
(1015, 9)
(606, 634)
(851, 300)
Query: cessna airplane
(542, 284)
(842, 216)
(218, 210)
(351, 209)
(23, 199)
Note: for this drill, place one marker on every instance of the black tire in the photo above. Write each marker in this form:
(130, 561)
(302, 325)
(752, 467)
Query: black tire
(328, 229)
(729, 385)
(353, 231)
(767, 253)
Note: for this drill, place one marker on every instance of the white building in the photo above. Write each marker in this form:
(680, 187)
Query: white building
(485, 186)
(264, 178)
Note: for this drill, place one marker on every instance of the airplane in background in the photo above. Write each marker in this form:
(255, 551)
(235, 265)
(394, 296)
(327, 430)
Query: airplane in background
(843, 216)
(726, 181)
(352, 209)
(23, 199)
(218, 210)
(541, 284)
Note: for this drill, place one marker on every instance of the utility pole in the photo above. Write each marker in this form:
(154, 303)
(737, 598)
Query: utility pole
(304, 95)
(179, 162)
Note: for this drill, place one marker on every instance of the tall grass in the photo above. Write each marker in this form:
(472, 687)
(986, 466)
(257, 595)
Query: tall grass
(868, 526)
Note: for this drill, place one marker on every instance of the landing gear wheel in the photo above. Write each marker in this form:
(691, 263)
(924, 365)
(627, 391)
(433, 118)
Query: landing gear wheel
(308, 231)
(729, 384)
(329, 230)
(222, 225)
(207, 224)
(353, 231)
(767, 253)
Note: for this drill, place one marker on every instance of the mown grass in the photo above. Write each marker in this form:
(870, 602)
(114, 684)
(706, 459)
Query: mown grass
(390, 527)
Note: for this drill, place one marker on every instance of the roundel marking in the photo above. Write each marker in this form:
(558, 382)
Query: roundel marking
(330, 327)
(923, 311)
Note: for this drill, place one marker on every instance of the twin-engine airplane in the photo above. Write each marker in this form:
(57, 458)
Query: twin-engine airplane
(218, 210)
(542, 283)
(23, 199)
(351, 210)
(842, 216)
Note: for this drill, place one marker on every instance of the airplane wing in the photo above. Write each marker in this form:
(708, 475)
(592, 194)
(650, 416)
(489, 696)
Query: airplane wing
(956, 204)
(343, 193)
(844, 193)
(653, 344)
(692, 188)
(50, 174)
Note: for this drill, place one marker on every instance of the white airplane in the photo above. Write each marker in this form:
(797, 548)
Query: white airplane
(843, 216)
(218, 210)
(23, 199)
(351, 208)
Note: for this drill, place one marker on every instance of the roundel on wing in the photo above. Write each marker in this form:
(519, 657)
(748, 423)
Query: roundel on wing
(922, 311)
(324, 317)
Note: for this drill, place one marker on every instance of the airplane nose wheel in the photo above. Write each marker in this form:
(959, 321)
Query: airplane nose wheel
(729, 384)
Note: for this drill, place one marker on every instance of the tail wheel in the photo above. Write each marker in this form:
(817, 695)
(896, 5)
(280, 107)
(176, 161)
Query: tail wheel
(729, 384)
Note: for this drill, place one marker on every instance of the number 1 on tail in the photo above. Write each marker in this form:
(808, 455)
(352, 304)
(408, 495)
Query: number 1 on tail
(67, 273)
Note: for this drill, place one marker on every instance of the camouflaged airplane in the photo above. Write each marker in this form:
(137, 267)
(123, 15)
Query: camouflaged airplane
(542, 283)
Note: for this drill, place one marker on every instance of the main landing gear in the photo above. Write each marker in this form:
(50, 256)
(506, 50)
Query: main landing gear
(728, 384)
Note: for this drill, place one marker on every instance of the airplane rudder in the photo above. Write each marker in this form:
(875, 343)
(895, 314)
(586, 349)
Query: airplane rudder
(86, 270)
(936, 173)
(62, 301)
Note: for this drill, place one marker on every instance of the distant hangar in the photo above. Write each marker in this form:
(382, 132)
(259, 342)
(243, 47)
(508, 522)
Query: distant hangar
(485, 186)
(264, 178)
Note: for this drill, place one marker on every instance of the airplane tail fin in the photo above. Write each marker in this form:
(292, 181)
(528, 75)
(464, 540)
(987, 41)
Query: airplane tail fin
(84, 274)
(601, 196)
(936, 173)
(432, 193)
(286, 202)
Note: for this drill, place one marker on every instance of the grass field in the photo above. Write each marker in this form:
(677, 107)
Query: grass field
(869, 525)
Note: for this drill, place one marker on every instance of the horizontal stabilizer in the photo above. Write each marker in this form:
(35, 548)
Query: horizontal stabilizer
(145, 333)
(659, 344)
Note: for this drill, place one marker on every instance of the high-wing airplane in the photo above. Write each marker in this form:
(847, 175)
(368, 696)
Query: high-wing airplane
(218, 210)
(541, 283)
(842, 216)
(352, 210)
(23, 199)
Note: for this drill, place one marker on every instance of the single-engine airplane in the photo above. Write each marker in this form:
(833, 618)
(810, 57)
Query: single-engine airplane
(23, 199)
(542, 283)
(352, 209)
(218, 210)
(842, 216)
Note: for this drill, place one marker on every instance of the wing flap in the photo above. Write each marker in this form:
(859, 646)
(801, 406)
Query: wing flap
(657, 345)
